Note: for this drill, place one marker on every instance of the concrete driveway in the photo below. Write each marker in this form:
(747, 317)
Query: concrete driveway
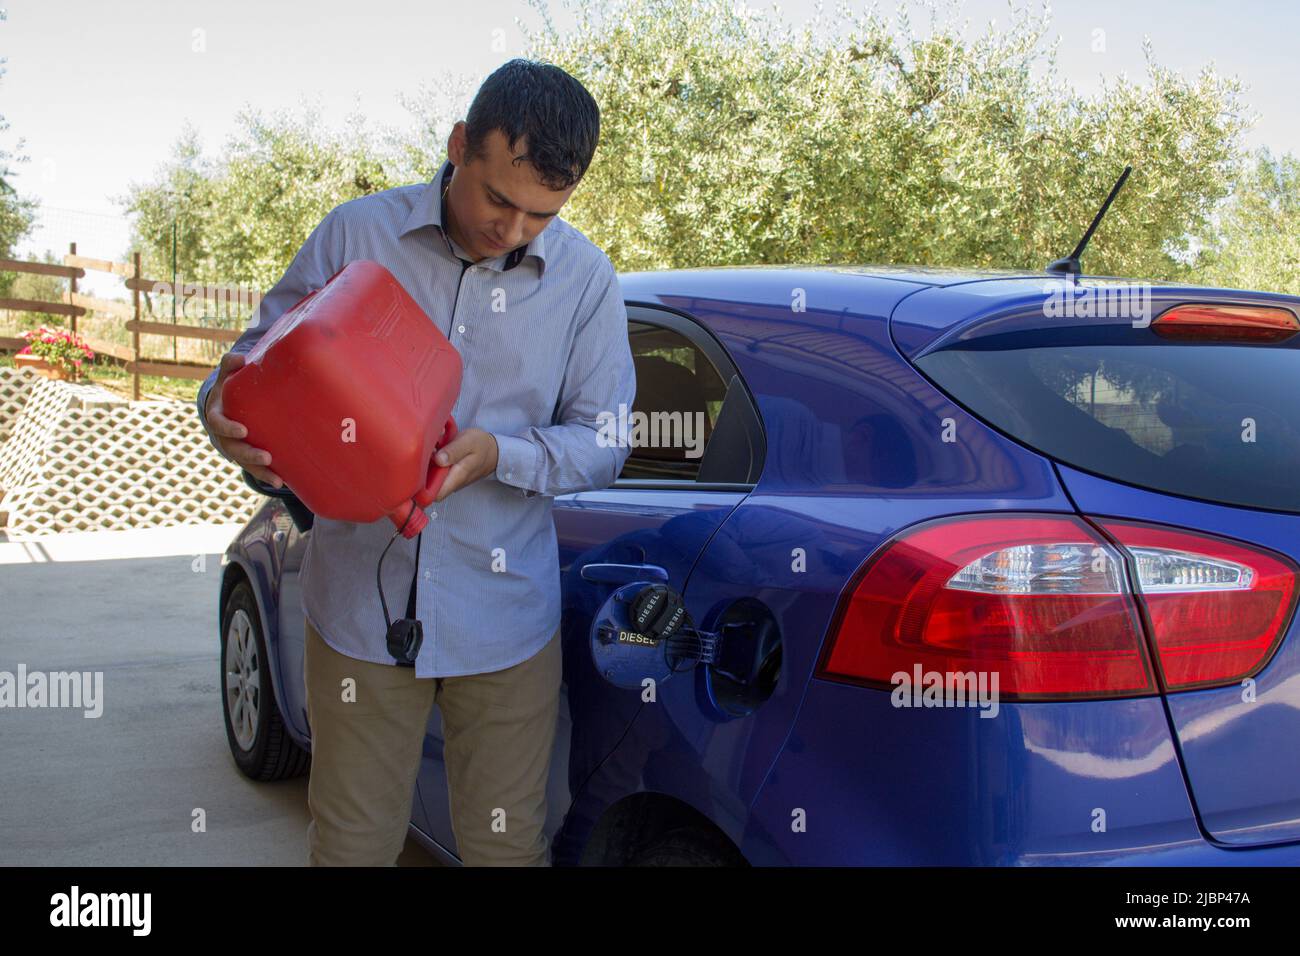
(131, 786)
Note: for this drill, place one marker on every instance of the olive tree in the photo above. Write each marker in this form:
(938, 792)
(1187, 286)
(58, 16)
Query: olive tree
(728, 138)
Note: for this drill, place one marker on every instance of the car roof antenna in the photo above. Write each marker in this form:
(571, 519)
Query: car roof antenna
(1070, 264)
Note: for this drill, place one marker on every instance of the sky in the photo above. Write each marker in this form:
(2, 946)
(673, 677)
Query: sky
(99, 90)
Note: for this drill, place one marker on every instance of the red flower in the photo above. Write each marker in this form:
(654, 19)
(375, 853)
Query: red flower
(59, 347)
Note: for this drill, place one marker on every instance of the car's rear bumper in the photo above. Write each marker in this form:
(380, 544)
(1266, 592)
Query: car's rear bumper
(863, 782)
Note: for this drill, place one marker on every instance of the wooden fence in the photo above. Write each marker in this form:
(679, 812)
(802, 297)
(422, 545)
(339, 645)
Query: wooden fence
(75, 305)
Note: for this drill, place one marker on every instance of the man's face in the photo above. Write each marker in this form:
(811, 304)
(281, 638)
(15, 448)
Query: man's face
(494, 204)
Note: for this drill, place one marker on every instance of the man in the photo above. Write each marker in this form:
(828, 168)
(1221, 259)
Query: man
(535, 310)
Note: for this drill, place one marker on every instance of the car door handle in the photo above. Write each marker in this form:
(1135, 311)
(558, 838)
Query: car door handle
(623, 573)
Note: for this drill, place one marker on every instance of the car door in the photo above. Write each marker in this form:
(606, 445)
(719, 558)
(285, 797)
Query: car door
(697, 453)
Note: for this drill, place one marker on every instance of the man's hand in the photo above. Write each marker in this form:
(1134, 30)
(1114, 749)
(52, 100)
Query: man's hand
(472, 455)
(227, 432)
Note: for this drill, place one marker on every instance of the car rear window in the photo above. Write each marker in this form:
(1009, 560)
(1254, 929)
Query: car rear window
(1215, 422)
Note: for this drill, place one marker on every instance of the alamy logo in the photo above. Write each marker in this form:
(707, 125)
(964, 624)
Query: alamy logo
(102, 909)
(1117, 300)
(75, 689)
(946, 689)
(655, 430)
(192, 298)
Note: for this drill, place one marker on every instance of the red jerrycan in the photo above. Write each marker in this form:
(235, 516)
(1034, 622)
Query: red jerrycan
(351, 392)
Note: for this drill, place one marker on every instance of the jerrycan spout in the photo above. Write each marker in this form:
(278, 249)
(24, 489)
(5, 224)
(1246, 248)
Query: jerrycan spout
(409, 516)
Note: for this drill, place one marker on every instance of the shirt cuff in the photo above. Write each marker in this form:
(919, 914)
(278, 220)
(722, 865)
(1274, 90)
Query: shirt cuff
(516, 462)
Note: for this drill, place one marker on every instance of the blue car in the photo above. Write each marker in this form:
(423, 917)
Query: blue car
(980, 568)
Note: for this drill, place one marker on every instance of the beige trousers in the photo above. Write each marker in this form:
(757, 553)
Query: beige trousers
(498, 731)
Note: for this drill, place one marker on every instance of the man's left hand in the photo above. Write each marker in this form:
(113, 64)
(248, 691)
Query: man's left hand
(472, 455)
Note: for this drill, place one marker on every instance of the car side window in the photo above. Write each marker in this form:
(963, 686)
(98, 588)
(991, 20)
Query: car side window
(692, 421)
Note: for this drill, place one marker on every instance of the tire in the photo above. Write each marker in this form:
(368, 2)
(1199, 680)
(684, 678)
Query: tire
(685, 846)
(259, 740)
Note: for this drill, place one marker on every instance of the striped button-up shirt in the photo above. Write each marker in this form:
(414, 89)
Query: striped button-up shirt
(542, 334)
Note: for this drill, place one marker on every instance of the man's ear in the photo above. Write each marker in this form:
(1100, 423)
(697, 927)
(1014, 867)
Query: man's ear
(456, 143)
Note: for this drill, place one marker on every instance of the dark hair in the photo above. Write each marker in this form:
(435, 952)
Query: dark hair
(544, 104)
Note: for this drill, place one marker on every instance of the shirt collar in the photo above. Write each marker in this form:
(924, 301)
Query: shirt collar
(428, 210)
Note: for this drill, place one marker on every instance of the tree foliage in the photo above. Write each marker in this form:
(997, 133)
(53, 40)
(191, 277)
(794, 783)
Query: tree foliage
(728, 138)
(1257, 242)
(242, 217)
(17, 213)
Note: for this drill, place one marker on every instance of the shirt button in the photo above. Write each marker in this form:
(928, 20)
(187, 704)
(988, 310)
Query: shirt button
(460, 328)
(433, 514)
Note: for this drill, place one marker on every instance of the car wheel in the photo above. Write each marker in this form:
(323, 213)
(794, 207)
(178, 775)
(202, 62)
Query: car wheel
(255, 729)
(685, 846)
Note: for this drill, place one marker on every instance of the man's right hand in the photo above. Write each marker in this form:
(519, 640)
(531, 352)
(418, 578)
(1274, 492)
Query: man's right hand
(228, 432)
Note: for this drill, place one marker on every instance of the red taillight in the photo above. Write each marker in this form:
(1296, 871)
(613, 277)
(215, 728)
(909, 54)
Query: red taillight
(1227, 323)
(1044, 602)
(1039, 599)
(1217, 608)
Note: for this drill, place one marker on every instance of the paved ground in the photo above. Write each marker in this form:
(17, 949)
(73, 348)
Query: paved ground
(122, 789)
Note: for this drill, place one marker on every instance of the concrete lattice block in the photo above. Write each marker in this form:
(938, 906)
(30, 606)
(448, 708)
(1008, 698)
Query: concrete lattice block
(78, 458)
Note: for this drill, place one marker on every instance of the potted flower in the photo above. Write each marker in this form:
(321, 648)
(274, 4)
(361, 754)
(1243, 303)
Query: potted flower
(54, 353)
